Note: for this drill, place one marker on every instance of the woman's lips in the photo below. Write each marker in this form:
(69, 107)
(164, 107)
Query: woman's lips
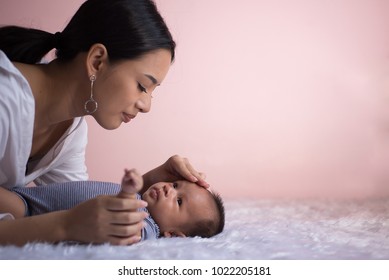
(127, 117)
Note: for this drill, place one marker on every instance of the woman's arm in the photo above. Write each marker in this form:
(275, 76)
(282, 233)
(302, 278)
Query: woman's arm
(175, 168)
(46, 227)
(11, 203)
(99, 220)
(22, 230)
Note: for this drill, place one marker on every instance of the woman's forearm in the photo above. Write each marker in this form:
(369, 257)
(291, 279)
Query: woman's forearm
(11, 203)
(47, 228)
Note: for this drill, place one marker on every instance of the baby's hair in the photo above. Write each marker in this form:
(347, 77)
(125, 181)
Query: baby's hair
(210, 227)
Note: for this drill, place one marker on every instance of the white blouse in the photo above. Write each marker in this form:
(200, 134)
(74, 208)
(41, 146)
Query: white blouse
(64, 162)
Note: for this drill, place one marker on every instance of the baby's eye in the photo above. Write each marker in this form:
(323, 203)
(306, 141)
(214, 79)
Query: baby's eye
(175, 185)
(179, 201)
(142, 88)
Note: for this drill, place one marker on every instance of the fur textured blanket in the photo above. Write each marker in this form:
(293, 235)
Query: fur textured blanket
(261, 229)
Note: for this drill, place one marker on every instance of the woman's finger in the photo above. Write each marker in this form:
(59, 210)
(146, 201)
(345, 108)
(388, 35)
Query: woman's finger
(200, 177)
(119, 204)
(127, 218)
(181, 168)
(126, 230)
(123, 241)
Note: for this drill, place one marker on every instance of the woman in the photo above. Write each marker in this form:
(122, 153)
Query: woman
(110, 58)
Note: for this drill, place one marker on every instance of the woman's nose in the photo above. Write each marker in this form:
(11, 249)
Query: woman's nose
(144, 103)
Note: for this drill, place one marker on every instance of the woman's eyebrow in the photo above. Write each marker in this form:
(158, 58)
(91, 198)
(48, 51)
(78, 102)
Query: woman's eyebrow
(152, 79)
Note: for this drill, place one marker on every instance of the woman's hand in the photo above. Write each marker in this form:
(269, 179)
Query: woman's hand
(175, 168)
(106, 219)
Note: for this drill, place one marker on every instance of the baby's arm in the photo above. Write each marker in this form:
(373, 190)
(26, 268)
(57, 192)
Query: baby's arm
(132, 183)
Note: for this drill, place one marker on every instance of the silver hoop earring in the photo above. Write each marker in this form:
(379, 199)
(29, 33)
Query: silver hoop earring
(91, 105)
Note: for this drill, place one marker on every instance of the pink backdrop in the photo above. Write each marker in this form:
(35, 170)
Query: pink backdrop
(284, 98)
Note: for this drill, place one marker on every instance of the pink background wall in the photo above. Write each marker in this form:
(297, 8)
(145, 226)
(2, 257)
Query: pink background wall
(286, 98)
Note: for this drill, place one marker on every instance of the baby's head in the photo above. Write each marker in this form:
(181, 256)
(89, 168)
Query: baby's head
(184, 209)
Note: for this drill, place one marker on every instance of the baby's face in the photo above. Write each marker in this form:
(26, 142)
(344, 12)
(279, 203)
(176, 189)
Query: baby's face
(174, 205)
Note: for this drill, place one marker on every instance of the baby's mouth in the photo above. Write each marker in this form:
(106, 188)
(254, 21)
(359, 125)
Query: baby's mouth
(154, 193)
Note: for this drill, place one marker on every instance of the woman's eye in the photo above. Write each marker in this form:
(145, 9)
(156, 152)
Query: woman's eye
(142, 88)
(175, 185)
(179, 201)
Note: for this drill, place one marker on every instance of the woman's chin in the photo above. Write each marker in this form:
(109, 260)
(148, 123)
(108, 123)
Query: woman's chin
(109, 125)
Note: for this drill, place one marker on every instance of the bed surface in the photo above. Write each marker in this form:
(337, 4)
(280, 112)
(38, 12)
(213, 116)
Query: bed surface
(262, 229)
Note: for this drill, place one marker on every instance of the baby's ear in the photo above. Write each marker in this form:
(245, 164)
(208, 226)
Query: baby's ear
(175, 233)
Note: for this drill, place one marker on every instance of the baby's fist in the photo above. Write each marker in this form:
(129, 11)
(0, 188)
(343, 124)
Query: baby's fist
(132, 183)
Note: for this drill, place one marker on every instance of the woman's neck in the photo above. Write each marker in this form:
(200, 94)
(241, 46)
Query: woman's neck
(55, 87)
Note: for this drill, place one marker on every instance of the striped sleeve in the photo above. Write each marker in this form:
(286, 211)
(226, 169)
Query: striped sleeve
(63, 196)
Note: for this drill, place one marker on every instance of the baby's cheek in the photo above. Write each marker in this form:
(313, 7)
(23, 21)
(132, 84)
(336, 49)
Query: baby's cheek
(146, 198)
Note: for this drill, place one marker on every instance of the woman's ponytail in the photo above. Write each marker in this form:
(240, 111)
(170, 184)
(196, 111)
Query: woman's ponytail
(26, 45)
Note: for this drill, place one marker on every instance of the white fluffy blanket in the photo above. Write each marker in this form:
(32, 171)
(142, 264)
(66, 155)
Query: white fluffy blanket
(264, 229)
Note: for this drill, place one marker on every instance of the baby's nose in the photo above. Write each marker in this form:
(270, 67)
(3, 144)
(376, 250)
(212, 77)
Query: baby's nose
(169, 189)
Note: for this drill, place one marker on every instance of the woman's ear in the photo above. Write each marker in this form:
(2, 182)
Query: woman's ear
(96, 58)
(174, 233)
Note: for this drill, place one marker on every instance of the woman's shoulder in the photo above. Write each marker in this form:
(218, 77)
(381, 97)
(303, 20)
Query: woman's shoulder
(7, 68)
(14, 88)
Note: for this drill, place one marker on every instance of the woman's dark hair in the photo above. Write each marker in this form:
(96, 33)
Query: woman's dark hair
(127, 28)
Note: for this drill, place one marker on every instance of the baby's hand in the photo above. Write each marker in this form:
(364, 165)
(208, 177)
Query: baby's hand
(132, 183)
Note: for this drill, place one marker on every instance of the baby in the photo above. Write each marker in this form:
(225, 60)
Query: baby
(181, 208)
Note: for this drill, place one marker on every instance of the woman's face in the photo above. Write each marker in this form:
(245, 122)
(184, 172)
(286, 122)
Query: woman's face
(124, 89)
